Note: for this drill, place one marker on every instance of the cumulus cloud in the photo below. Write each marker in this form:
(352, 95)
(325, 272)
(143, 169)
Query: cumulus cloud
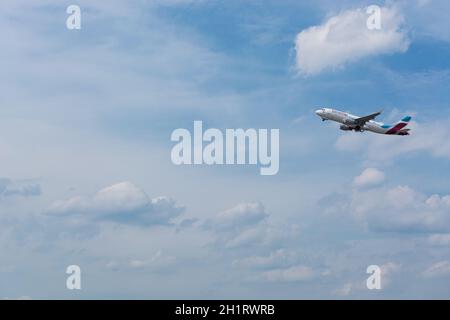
(402, 209)
(346, 38)
(393, 209)
(122, 202)
(369, 177)
(240, 216)
(247, 224)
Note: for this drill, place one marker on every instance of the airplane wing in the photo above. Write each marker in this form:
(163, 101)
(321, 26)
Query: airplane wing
(362, 120)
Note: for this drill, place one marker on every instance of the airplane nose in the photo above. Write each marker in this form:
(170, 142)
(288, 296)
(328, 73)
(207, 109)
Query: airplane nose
(319, 112)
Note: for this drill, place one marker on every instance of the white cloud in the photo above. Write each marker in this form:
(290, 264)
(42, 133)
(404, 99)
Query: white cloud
(369, 177)
(123, 202)
(291, 274)
(393, 209)
(247, 224)
(401, 209)
(240, 216)
(345, 38)
(122, 196)
(438, 269)
(157, 261)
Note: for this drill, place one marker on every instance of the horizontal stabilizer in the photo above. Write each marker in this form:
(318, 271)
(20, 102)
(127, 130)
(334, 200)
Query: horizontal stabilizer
(403, 132)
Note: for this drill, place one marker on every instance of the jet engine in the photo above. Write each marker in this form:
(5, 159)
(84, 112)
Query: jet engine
(346, 128)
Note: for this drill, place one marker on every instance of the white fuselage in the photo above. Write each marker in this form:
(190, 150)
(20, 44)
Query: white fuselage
(347, 119)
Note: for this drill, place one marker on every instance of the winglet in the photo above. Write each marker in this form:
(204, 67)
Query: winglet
(406, 119)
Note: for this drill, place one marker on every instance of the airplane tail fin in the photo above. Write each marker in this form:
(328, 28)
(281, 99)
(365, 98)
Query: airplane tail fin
(406, 120)
(402, 123)
(398, 127)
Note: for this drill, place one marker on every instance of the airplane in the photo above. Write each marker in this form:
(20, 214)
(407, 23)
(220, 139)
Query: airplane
(350, 122)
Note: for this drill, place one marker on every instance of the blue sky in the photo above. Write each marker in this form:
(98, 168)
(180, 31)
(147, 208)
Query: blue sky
(85, 124)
